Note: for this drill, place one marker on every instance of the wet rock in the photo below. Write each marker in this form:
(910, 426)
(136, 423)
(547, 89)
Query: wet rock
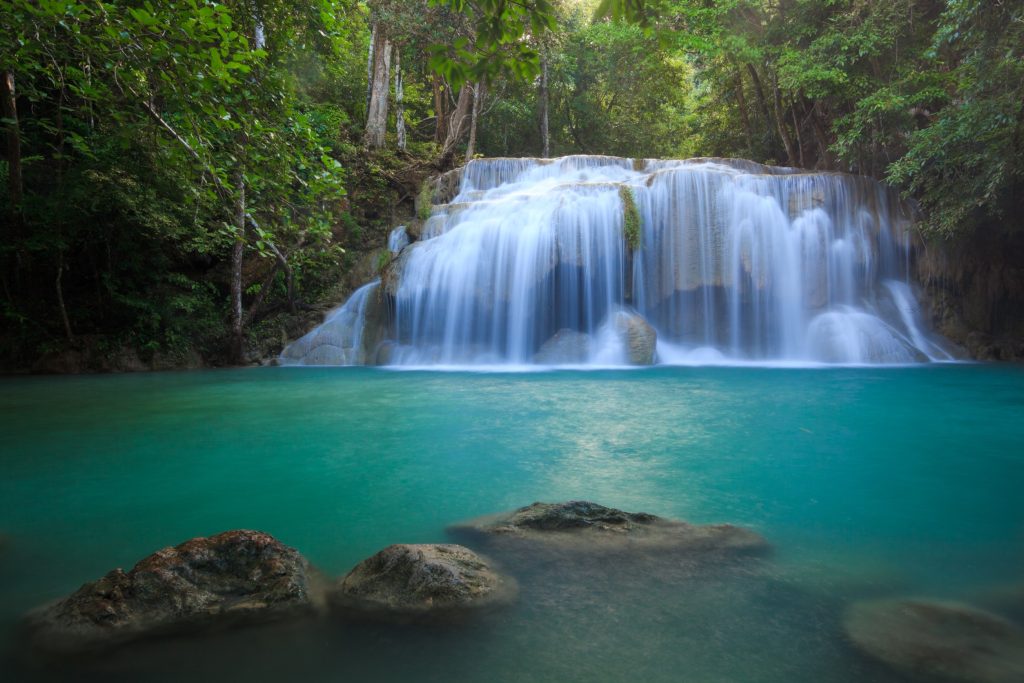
(638, 337)
(1006, 599)
(584, 525)
(565, 346)
(938, 641)
(230, 578)
(404, 582)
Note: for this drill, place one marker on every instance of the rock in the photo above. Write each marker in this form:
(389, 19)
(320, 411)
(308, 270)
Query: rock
(1007, 599)
(405, 582)
(565, 346)
(588, 526)
(939, 641)
(235, 576)
(638, 337)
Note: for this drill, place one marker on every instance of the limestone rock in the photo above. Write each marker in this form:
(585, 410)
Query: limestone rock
(405, 582)
(938, 641)
(564, 346)
(638, 337)
(584, 525)
(235, 576)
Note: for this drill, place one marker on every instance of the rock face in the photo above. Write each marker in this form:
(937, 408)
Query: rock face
(938, 641)
(564, 346)
(235, 576)
(589, 526)
(975, 291)
(638, 337)
(405, 582)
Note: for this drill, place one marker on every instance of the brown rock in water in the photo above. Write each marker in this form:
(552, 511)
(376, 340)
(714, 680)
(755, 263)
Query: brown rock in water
(404, 582)
(938, 641)
(639, 338)
(233, 577)
(588, 526)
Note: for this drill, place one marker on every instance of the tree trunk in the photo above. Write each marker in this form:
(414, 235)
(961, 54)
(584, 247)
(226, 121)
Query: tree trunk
(478, 99)
(440, 111)
(377, 114)
(9, 109)
(457, 124)
(545, 136)
(741, 102)
(237, 255)
(787, 139)
(399, 102)
(60, 296)
(799, 138)
(821, 136)
(399, 111)
(369, 67)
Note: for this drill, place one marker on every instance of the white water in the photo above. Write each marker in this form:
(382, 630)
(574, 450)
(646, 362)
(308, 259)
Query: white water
(736, 263)
(339, 339)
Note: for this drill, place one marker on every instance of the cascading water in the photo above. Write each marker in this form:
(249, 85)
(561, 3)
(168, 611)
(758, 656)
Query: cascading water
(535, 261)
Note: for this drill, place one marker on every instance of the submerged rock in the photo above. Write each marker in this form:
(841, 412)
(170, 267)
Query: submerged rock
(564, 346)
(938, 641)
(232, 577)
(421, 581)
(589, 526)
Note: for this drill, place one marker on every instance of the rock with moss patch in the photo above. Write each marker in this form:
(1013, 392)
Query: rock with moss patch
(584, 525)
(938, 641)
(230, 578)
(413, 582)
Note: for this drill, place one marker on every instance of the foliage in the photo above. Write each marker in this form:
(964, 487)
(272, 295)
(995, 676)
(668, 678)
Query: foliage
(630, 217)
(926, 93)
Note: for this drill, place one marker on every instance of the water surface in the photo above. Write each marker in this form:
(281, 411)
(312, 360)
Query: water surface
(868, 483)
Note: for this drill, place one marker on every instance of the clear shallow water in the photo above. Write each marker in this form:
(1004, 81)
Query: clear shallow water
(868, 482)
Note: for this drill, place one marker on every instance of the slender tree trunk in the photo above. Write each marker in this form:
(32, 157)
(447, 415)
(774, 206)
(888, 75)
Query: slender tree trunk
(237, 256)
(440, 111)
(799, 138)
(741, 102)
(762, 101)
(787, 139)
(545, 136)
(58, 285)
(821, 136)
(478, 99)
(399, 101)
(377, 114)
(9, 110)
(369, 67)
(457, 124)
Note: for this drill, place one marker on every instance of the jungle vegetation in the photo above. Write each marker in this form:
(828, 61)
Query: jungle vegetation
(179, 174)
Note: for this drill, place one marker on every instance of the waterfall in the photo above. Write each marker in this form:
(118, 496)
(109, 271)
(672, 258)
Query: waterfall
(339, 339)
(733, 262)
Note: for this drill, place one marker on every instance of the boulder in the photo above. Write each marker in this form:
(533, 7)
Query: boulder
(405, 582)
(637, 335)
(564, 346)
(938, 641)
(232, 577)
(588, 526)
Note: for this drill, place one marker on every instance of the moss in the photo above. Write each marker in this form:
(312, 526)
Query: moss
(630, 217)
(639, 165)
(424, 202)
(384, 259)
